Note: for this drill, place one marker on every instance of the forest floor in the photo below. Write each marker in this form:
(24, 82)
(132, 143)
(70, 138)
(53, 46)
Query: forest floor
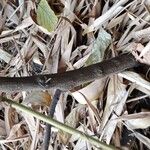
(45, 37)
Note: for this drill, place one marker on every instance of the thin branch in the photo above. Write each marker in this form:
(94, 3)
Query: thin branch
(51, 112)
(57, 124)
(68, 80)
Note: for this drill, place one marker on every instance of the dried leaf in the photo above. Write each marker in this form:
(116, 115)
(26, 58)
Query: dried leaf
(5, 56)
(38, 98)
(11, 118)
(2, 128)
(91, 91)
(116, 98)
(138, 120)
(143, 139)
(16, 131)
(116, 21)
(71, 120)
(135, 78)
(108, 15)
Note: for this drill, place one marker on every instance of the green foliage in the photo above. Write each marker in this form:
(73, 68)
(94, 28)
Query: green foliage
(46, 17)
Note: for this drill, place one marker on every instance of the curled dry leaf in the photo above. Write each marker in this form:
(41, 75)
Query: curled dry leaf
(138, 120)
(91, 91)
(16, 131)
(11, 118)
(31, 123)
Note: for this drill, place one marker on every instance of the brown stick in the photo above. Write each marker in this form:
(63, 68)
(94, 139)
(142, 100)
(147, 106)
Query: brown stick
(70, 79)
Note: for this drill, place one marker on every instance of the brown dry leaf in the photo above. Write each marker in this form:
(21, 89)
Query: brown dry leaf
(141, 34)
(66, 43)
(11, 118)
(79, 49)
(132, 28)
(59, 110)
(16, 131)
(31, 124)
(116, 98)
(10, 37)
(115, 92)
(36, 58)
(38, 98)
(71, 120)
(81, 62)
(65, 57)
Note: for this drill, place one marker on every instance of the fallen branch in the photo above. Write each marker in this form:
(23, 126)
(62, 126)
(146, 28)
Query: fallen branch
(68, 80)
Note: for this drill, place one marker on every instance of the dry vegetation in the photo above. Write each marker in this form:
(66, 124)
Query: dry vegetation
(116, 109)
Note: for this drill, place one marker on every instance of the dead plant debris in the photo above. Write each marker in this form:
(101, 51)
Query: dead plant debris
(53, 36)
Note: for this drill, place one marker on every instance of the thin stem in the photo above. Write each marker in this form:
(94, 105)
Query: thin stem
(51, 114)
(57, 124)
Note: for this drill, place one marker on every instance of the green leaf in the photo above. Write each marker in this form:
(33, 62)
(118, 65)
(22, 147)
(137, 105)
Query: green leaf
(46, 16)
(99, 46)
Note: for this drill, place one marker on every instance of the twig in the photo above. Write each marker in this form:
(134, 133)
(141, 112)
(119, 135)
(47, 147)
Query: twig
(68, 80)
(51, 114)
(57, 124)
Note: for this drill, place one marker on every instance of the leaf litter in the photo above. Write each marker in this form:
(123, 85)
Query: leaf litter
(67, 35)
